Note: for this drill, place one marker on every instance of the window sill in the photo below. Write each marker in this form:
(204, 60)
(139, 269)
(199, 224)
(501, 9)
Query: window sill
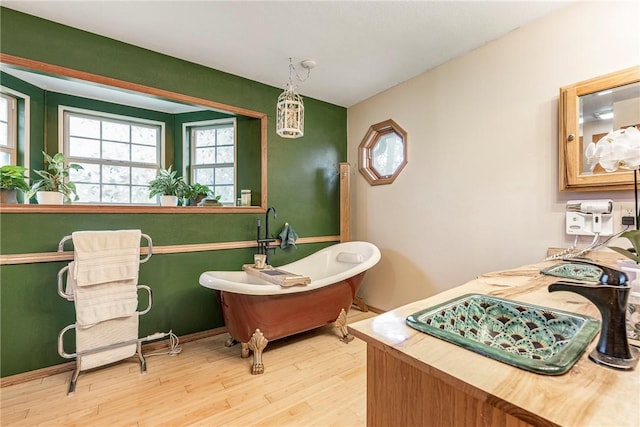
(110, 209)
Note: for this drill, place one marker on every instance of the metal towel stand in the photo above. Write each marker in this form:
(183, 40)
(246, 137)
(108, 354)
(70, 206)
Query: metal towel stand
(70, 297)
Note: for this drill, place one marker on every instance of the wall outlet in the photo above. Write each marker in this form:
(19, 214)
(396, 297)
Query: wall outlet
(627, 211)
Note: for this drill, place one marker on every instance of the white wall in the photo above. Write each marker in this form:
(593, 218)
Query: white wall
(480, 191)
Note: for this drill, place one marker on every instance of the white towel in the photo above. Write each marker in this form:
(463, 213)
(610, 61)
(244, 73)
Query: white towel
(105, 256)
(102, 302)
(103, 334)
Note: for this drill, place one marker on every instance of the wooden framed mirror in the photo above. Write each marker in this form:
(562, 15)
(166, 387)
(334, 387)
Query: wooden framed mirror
(588, 110)
(251, 130)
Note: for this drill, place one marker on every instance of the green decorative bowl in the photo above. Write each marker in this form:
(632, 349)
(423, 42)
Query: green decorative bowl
(575, 271)
(537, 339)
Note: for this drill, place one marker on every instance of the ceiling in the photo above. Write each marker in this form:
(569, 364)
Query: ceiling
(361, 47)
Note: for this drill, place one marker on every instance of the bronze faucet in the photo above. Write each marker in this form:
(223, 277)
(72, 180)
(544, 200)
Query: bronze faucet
(610, 295)
(264, 245)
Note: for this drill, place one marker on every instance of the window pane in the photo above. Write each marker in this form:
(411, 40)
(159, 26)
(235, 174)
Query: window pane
(142, 176)
(226, 193)
(4, 133)
(213, 155)
(115, 174)
(115, 151)
(144, 154)
(115, 193)
(225, 136)
(89, 193)
(90, 174)
(388, 154)
(141, 195)
(79, 147)
(83, 126)
(4, 109)
(144, 135)
(204, 176)
(5, 158)
(204, 137)
(205, 156)
(224, 176)
(224, 154)
(115, 131)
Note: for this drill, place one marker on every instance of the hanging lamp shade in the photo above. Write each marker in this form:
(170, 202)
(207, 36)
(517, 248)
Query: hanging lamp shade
(290, 114)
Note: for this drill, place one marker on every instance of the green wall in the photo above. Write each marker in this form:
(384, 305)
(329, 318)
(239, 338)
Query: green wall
(302, 179)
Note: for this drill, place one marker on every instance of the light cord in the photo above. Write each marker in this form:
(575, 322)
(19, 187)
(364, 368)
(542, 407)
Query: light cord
(569, 252)
(173, 347)
(292, 70)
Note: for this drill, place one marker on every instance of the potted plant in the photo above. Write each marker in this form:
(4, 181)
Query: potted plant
(632, 270)
(168, 186)
(194, 193)
(54, 187)
(12, 179)
(632, 236)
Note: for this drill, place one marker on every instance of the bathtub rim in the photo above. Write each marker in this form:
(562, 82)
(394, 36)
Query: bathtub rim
(241, 283)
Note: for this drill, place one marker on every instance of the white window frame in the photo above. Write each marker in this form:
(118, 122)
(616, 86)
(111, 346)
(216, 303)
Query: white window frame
(189, 151)
(63, 143)
(23, 145)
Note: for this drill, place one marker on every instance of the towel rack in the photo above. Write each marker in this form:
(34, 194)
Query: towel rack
(65, 269)
(142, 261)
(112, 338)
(63, 353)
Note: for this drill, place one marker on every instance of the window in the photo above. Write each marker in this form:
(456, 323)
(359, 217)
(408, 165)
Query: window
(212, 154)
(8, 130)
(383, 152)
(119, 155)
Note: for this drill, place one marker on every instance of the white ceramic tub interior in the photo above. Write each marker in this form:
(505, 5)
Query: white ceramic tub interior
(325, 267)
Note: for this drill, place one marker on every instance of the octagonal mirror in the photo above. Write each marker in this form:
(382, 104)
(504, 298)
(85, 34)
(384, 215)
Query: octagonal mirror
(383, 152)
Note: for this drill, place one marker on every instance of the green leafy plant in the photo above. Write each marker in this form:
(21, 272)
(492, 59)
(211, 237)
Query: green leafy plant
(194, 191)
(56, 177)
(167, 183)
(634, 237)
(12, 178)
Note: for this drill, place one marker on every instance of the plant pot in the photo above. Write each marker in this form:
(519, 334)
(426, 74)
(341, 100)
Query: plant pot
(50, 198)
(197, 199)
(8, 196)
(168, 200)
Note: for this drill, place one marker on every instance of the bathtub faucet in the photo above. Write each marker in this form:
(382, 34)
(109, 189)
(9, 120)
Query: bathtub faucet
(610, 297)
(264, 244)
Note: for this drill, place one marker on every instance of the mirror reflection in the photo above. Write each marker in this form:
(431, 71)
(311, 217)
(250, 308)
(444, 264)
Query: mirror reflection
(122, 138)
(607, 110)
(588, 110)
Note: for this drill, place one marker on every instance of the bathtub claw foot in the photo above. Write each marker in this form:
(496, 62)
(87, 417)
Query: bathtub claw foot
(230, 342)
(244, 350)
(256, 344)
(347, 338)
(341, 324)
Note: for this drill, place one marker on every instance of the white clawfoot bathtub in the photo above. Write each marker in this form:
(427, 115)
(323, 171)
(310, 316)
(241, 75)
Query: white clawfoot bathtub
(256, 311)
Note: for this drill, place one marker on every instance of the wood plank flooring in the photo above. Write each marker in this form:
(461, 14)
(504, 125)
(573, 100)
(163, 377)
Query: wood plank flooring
(311, 379)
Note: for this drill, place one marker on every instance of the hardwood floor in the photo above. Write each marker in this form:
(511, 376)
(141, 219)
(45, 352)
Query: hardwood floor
(311, 379)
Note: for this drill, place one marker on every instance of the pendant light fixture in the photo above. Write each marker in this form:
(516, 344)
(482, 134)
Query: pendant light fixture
(290, 108)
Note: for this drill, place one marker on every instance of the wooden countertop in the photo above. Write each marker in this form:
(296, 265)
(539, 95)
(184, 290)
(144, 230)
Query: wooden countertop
(588, 394)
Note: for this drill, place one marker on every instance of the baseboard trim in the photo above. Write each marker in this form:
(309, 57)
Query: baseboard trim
(376, 310)
(70, 366)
